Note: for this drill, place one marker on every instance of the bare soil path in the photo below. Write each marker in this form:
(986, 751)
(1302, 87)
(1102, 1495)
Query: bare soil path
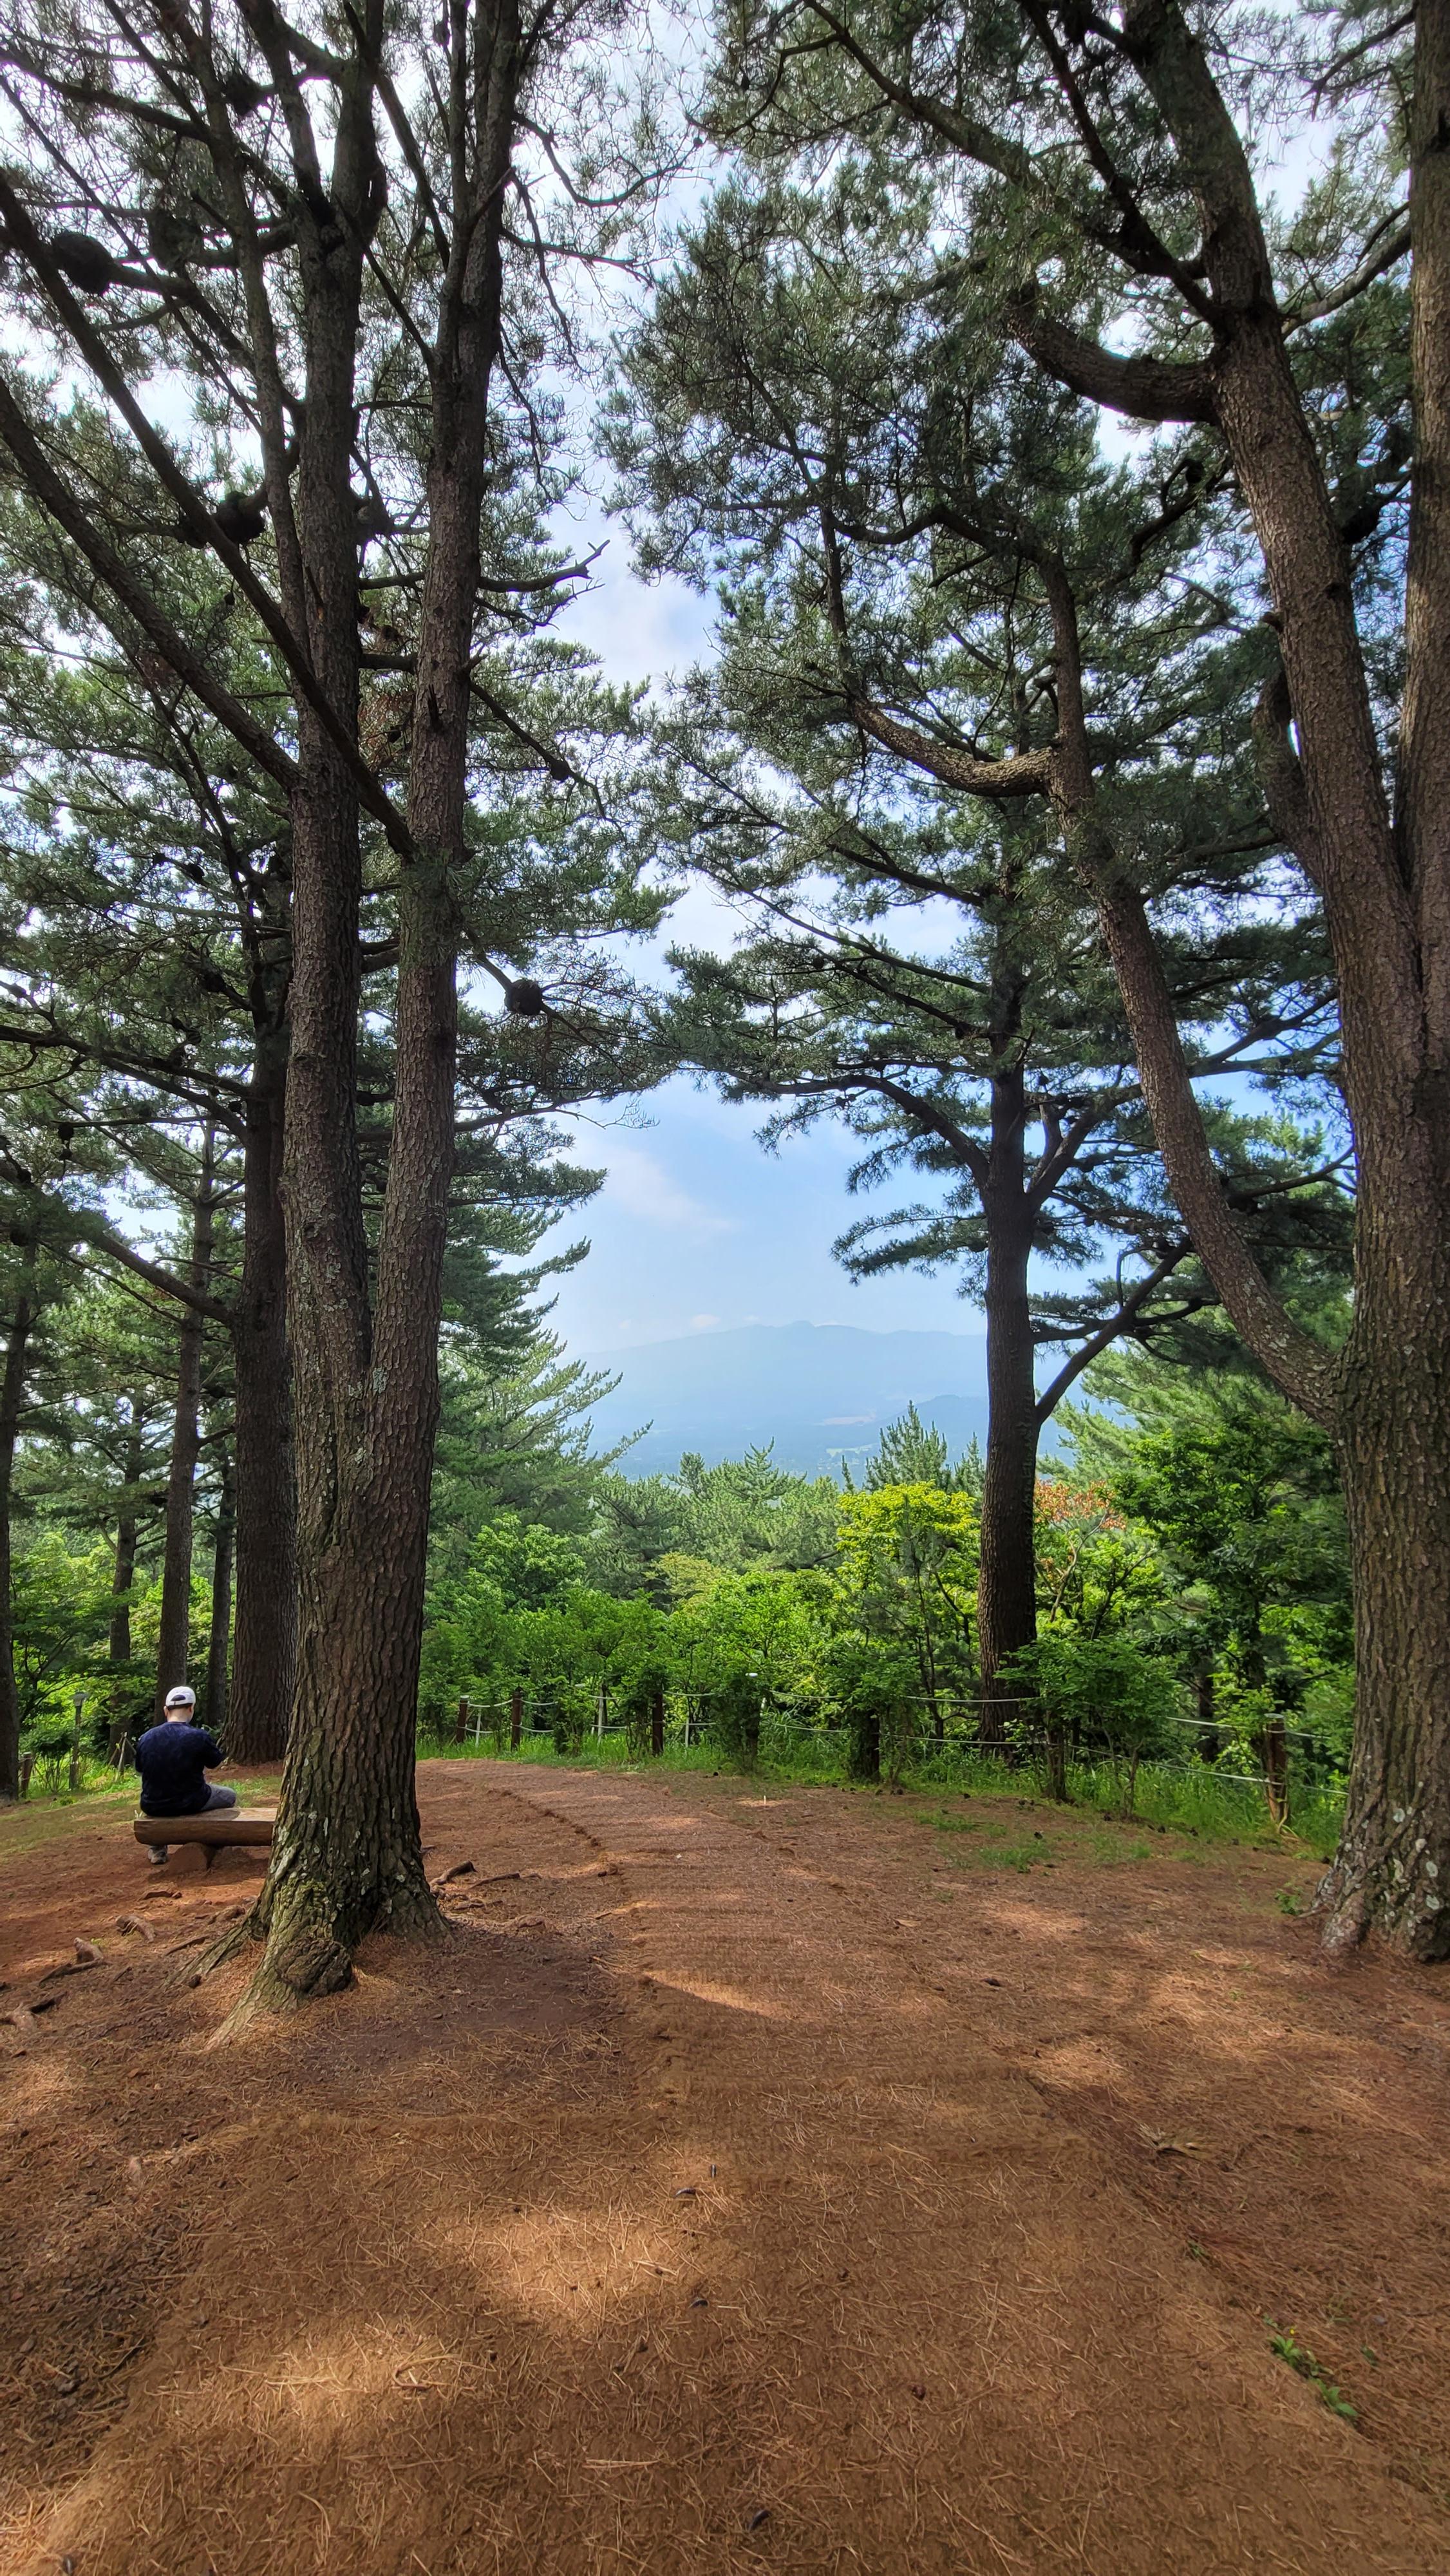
(756, 2180)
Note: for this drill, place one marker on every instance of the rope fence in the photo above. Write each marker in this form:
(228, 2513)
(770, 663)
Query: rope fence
(540, 1715)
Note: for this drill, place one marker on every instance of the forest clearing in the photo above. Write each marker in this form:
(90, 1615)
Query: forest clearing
(762, 2176)
(862, 1992)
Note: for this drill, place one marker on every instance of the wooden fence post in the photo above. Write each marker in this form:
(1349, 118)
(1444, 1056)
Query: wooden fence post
(460, 1723)
(1275, 1748)
(657, 1724)
(516, 1720)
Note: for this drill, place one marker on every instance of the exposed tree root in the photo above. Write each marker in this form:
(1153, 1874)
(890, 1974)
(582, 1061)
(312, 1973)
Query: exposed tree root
(307, 1950)
(1398, 1898)
(217, 1953)
(1345, 1918)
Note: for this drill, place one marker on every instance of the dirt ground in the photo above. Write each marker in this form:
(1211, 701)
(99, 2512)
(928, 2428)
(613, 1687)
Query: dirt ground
(795, 2181)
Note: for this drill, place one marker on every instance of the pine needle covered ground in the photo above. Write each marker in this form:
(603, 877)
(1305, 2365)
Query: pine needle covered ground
(761, 2178)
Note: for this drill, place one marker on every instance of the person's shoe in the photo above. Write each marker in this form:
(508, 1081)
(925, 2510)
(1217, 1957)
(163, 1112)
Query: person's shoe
(158, 1854)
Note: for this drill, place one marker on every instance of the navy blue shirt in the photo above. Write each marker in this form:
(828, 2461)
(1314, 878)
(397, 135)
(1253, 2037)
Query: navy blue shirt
(171, 1759)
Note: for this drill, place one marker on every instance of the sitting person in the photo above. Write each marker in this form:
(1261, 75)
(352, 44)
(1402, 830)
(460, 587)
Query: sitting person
(173, 1759)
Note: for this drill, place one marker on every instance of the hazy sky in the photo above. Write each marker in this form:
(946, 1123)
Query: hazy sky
(696, 1227)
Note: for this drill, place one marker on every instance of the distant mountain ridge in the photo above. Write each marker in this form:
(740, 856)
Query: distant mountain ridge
(818, 1392)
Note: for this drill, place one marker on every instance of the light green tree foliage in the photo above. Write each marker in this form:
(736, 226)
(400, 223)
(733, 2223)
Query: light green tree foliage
(1238, 1495)
(907, 1570)
(1084, 1686)
(1141, 1559)
(1097, 1571)
(61, 1607)
(708, 1584)
(60, 1604)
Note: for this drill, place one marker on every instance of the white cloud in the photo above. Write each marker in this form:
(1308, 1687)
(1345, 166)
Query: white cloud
(703, 1323)
(640, 1185)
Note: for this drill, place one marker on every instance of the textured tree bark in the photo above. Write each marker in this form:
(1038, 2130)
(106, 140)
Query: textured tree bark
(1393, 1862)
(1386, 892)
(219, 1637)
(123, 1574)
(264, 1652)
(1423, 816)
(12, 1396)
(346, 1853)
(346, 1856)
(174, 1636)
(1276, 1771)
(1007, 1571)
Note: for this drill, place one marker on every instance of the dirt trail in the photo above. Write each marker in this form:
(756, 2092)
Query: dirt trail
(749, 2184)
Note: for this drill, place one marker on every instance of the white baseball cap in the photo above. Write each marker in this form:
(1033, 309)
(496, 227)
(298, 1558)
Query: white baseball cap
(182, 1697)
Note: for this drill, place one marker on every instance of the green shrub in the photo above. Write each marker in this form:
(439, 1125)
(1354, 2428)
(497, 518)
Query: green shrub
(1105, 1689)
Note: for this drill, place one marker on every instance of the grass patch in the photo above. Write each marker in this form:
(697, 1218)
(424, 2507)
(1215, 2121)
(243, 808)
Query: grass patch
(34, 1820)
(1107, 1851)
(1018, 1856)
(1189, 1800)
(1289, 2349)
(596, 1753)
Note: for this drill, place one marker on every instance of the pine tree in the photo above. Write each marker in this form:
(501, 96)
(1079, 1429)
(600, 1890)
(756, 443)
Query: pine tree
(360, 302)
(1101, 184)
(1106, 183)
(1000, 1076)
(816, 780)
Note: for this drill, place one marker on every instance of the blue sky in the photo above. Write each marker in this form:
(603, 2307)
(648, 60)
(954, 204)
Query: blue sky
(696, 1227)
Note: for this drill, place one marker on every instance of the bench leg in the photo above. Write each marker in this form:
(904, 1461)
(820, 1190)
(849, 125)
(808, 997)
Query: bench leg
(210, 1850)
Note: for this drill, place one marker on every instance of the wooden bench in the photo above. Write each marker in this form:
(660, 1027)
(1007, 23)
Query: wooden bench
(214, 1829)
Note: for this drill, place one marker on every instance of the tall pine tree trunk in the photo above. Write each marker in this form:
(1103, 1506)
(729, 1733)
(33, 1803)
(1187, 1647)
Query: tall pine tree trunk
(12, 1394)
(264, 1653)
(174, 1636)
(1007, 1573)
(346, 1854)
(123, 1569)
(219, 1636)
(1205, 1699)
(123, 1577)
(1392, 1867)
(346, 1851)
(1385, 883)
